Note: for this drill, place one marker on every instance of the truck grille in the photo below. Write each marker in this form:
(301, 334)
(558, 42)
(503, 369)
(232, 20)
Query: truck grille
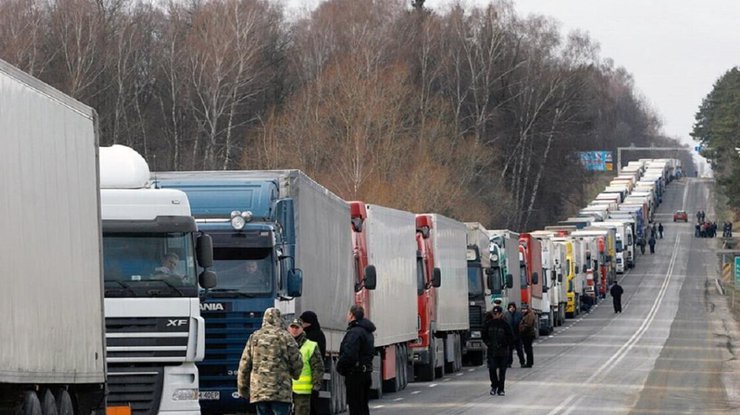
(146, 339)
(138, 387)
(226, 335)
(476, 318)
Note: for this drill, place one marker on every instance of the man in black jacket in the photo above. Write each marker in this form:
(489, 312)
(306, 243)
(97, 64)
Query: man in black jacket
(616, 291)
(497, 335)
(356, 360)
(313, 331)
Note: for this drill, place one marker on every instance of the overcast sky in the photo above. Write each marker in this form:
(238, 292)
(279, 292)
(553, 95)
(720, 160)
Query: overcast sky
(675, 49)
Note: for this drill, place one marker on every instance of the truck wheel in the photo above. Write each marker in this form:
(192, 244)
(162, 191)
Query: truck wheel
(30, 404)
(425, 373)
(48, 404)
(476, 358)
(64, 403)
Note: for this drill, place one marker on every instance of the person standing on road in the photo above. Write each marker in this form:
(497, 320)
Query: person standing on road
(312, 328)
(616, 292)
(651, 242)
(660, 229)
(269, 363)
(312, 373)
(641, 243)
(527, 332)
(356, 360)
(514, 317)
(498, 337)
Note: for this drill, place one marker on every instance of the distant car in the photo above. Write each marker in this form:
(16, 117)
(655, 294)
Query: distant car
(680, 215)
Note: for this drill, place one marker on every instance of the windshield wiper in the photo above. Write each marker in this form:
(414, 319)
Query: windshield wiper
(169, 284)
(128, 288)
(234, 292)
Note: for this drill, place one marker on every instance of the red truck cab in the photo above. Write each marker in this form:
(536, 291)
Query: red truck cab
(428, 279)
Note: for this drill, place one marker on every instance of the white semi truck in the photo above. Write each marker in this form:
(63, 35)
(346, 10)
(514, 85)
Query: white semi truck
(52, 344)
(151, 253)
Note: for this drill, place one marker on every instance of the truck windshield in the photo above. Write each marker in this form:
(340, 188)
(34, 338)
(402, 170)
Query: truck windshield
(475, 281)
(242, 270)
(619, 245)
(149, 265)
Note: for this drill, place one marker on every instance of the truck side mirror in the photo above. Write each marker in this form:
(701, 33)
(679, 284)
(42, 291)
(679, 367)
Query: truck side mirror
(509, 281)
(585, 267)
(207, 279)
(370, 277)
(545, 288)
(489, 280)
(560, 278)
(535, 278)
(204, 250)
(436, 278)
(295, 283)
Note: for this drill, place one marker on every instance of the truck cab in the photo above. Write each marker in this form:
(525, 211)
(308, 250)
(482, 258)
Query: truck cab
(151, 254)
(252, 230)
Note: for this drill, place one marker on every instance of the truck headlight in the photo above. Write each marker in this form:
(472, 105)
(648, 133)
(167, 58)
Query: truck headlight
(237, 221)
(475, 334)
(185, 395)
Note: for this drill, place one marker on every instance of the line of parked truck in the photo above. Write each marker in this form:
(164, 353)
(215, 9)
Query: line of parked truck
(146, 339)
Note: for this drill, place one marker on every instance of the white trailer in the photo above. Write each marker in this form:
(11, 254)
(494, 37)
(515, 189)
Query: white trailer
(390, 237)
(52, 338)
(450, 246)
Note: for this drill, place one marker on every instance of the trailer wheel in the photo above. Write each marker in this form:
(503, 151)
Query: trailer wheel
(30, 404)
(64, 403)
(48, 404)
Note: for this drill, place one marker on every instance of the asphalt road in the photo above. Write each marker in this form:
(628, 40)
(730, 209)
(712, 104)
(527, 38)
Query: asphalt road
(670, 351)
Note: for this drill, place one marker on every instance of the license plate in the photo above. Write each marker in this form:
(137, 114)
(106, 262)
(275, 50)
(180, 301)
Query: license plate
(209, 395)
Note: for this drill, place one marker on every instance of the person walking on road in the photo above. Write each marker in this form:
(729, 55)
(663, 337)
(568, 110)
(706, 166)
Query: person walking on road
(514, 317)
(641, 243)
(660, 229)
(651, 242)
(527, 332)
(498, 337)
(312, 373)
(616, 292)
(356, 360)
(312, 328)
(269, 363)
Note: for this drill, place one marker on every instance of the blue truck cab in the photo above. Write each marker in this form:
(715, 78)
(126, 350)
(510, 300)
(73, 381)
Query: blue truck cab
(253, 233)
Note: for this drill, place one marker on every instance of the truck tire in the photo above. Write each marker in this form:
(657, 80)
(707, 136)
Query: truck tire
(425, 373)
(30, 404)
(64, 403)
(48, 404)
(476, 358)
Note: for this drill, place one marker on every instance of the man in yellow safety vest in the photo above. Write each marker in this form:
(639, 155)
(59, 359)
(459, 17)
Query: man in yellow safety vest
(313, 369)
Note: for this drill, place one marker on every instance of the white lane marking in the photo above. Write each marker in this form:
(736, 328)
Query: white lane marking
(447, 379)
(415, 392)
(433, 385)
(459, 374)
(398, 400)
(562, 405)
(378, 406)
(470, 370)
(627, 346)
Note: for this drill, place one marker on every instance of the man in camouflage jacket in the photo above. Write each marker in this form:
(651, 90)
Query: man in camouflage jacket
(269, 363)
